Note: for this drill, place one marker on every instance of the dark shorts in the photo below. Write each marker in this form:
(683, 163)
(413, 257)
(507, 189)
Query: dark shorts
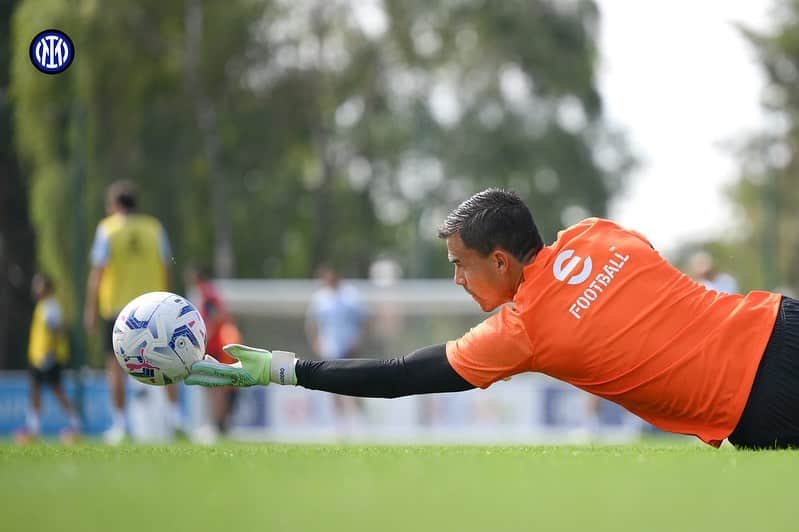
(771, 417)
(50, 375)
(107, 331)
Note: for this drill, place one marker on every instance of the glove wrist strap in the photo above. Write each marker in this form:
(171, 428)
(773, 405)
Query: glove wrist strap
(281, 369)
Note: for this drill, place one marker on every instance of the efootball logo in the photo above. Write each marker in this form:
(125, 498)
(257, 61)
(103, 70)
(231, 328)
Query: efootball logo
(52, 51)
(566, 264)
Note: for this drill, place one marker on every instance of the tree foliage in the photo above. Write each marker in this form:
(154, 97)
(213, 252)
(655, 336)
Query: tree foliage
(284, 133)
(16, 234)
(768, 189)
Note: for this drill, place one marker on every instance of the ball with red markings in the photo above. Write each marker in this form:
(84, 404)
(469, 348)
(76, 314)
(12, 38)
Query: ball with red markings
(157, 337)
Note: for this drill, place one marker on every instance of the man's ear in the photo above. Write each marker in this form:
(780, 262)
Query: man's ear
(501, 259)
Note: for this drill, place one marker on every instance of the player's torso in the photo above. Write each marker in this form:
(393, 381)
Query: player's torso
(338, 317)
(133, 239)
(337, 308)
(595, 290)
(43, 340)
(607, 313)
(225, 333)
(220, 326)
(134, 263)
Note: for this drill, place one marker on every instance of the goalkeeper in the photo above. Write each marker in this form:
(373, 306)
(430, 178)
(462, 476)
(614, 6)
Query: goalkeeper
(599, 309)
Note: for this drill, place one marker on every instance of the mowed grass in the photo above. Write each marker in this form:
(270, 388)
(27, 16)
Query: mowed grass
(270, 487)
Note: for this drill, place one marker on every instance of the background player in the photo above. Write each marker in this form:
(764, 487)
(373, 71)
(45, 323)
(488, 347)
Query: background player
(221, 330)
(48, 353)
(334, 326)
(702, 267)
(129, 257)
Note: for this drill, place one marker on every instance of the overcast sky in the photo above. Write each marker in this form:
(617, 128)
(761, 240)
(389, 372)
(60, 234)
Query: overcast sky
(679, 78)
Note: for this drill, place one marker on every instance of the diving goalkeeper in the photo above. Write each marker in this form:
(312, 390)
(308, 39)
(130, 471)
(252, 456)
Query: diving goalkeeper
(599, 309)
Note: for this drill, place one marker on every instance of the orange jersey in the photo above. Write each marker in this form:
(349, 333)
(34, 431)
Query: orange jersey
(603, 311)
(226, 333)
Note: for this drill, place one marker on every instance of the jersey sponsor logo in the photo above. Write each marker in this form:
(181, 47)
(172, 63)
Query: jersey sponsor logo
(599, 284)
(566, 263)
(51, 51)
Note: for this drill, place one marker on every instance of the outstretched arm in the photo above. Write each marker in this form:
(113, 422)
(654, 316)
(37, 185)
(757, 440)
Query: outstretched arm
(426, 370)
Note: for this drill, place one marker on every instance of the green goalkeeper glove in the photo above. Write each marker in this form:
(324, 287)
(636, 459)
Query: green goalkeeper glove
(254, 366)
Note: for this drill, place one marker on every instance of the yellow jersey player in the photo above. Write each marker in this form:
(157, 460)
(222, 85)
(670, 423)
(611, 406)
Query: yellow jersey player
(129, 257)
(48, 352)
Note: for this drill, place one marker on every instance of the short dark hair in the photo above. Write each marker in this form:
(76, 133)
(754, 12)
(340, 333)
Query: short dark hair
(123, 193)
(202, 271)
(491, 219)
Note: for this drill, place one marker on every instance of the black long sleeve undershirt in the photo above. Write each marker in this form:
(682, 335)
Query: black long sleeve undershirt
(426, 370)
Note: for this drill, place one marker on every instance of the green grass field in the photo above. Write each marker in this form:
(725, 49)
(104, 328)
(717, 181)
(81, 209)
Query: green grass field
(351, 488)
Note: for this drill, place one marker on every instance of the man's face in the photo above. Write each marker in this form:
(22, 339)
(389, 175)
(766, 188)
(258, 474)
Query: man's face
(37, 287)
(111, 206)
(328, 277)
(190, 278)
(487, 279)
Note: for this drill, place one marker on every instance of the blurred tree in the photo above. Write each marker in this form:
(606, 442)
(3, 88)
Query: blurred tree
(419, 104)
(504, 94)
(768, 188)
(272, 135)
(16, 234)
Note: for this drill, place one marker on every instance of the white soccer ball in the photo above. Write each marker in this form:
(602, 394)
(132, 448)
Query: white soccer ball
(158, 336)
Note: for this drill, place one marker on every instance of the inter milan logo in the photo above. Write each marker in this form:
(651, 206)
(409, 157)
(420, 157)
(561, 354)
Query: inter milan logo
(52, 51)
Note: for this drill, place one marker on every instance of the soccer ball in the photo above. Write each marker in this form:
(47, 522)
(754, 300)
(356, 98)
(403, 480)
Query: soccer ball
(157, 337)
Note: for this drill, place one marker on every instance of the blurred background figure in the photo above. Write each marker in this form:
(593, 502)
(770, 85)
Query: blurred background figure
(702, 268)
(48, 352)
(335, 326)
(129, 257)
(222, 330)
(592, 423)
